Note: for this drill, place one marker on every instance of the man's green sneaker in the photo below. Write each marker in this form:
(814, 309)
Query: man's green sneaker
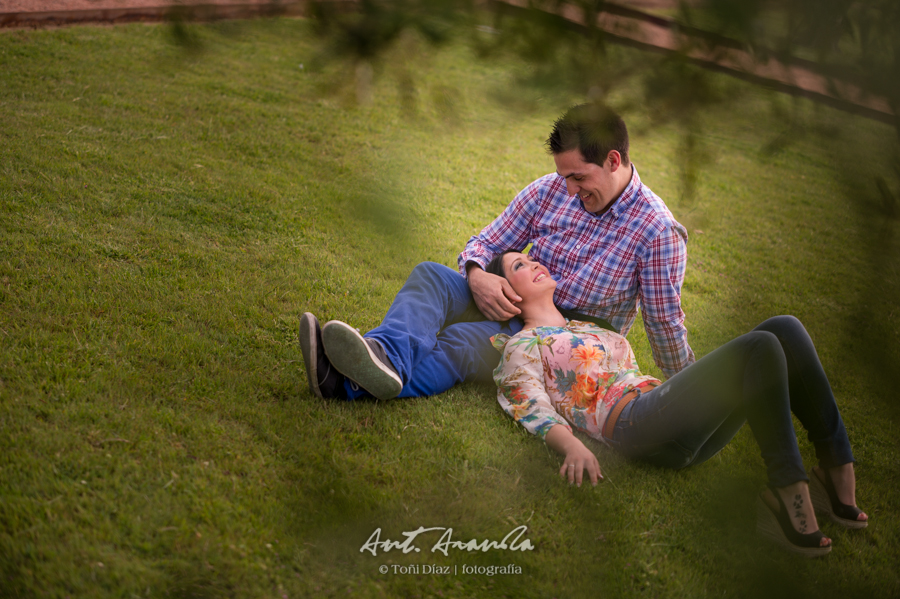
(361, 360)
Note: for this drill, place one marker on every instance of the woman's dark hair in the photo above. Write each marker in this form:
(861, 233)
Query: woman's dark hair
(495, 266)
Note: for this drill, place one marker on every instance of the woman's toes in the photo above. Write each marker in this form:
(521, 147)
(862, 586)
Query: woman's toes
(825, 542)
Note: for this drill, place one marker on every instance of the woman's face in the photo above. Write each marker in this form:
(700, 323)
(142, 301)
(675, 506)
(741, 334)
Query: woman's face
(527, 277)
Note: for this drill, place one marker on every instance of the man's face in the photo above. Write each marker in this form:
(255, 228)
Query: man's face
(595, 185)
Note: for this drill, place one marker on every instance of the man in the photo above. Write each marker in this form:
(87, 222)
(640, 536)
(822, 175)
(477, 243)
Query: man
(609, 242)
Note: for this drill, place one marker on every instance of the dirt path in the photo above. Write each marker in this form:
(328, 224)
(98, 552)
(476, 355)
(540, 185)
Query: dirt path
(51, 13)
(42, 6)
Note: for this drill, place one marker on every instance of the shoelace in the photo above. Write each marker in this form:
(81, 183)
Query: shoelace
(325, 378)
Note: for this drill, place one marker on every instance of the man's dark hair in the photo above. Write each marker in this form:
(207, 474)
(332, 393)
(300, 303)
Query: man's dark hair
(593, 129)
(495, 266)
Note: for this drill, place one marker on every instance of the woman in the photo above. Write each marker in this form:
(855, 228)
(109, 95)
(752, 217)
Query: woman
(556, 372)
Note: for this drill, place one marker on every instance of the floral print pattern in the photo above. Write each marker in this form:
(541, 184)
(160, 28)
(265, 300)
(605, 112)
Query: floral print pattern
(561, 375)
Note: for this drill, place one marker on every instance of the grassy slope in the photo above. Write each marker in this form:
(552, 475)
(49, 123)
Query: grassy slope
(165, 218)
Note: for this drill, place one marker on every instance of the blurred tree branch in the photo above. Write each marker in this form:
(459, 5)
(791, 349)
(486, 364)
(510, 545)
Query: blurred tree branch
(839, 52)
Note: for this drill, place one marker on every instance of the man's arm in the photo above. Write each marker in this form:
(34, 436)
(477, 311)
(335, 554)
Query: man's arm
(661, 277)
(510, 230)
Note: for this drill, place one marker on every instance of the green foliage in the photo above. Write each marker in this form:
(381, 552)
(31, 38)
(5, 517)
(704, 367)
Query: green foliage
(165, 216)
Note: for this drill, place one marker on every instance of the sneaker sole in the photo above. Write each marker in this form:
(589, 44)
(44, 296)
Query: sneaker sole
(822, 504)
(351, 356)
(309, 347)
(768, 527)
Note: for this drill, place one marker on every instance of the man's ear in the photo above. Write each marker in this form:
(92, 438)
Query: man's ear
(615, 160)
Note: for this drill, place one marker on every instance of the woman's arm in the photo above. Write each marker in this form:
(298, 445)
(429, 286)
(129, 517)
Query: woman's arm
(578, 457)
(522, 394)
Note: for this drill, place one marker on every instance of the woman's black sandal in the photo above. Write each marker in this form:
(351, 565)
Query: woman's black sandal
(777, 527)
(825, 500)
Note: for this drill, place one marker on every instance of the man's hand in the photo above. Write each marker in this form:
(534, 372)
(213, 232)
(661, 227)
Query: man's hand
(493, 295)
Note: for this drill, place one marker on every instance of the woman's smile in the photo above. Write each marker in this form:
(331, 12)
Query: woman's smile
(526, 276)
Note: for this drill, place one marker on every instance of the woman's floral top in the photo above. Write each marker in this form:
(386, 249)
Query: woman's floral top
(575, 373)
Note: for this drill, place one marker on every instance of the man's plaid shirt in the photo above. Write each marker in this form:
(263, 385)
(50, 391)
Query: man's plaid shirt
(631, 256)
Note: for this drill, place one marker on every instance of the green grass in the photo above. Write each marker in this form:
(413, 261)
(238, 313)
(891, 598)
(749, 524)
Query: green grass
(165, 217)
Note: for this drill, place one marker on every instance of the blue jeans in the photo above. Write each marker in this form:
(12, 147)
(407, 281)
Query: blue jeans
(434, 334)
(760, 378)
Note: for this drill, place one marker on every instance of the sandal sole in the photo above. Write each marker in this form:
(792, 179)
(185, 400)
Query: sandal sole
(821, 503)
(767, 526)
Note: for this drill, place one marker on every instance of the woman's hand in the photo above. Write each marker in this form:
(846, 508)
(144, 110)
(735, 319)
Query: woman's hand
(579, 459)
